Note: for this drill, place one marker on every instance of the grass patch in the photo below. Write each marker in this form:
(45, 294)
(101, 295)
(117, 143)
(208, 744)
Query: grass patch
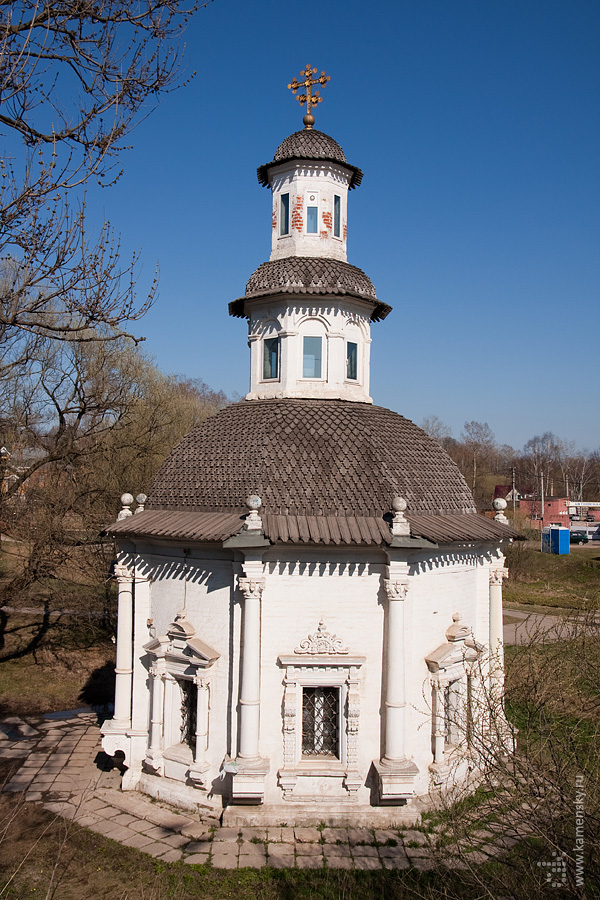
(546, 580)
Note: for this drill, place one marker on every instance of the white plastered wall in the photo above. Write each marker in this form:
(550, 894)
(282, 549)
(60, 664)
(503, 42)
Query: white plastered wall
(334, 320)
(301, 181)
(303, 586)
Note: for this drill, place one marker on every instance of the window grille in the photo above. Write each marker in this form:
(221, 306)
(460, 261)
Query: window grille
(321, 721)
(189, 706)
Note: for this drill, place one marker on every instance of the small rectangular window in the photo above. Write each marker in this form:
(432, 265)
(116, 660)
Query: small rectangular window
(271, 358)
(189, 704)
(284, 215)
(321, 721)
(337, 216)
(311, 357)
(312, 219)
(351, 360)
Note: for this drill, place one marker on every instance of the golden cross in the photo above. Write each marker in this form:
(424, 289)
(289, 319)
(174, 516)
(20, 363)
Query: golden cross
(309, 98)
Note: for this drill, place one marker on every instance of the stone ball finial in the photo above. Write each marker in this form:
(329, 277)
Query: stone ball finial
(500, 505)
(126, 503)
(253, 520)
(140, 500)
(400, 526)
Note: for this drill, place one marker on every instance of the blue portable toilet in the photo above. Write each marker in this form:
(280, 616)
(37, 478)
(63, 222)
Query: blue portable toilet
(555, 539)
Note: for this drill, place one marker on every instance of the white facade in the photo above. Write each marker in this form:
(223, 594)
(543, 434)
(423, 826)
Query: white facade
(312, 222)
(253, 630)
(341, 327)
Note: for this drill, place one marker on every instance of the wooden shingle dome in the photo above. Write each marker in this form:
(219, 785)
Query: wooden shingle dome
(309, 457)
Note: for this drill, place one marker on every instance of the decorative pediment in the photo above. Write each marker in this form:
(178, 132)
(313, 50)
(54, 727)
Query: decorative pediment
(180, 645)
(321, 643)
(457, 632)
(460, 648)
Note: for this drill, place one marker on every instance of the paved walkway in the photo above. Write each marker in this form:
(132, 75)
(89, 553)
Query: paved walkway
(65, 769)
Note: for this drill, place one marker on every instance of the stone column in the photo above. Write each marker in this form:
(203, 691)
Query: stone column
(156, 716)
(496, 629)
(395, 688)
(124, 666)
(202, 688)
(251, 589)
(439, 730)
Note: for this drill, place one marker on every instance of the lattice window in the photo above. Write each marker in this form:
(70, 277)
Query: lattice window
(321, 722)
(189, 706)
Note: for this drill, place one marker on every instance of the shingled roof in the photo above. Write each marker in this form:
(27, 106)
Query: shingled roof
(211, 527)
(309, 144)
(309, 275)
(309, 457)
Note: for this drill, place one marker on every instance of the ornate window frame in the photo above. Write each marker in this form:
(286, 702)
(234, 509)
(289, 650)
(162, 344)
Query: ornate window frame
(455, 668)
(177, 657)
(321, 660)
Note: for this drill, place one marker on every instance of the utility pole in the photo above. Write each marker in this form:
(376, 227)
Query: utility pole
(513, 494)
(542, 491)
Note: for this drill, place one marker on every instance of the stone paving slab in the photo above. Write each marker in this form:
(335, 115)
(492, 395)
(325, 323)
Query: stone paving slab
(64, 768)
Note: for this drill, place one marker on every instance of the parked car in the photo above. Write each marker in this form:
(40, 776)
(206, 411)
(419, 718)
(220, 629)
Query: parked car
(578, 537)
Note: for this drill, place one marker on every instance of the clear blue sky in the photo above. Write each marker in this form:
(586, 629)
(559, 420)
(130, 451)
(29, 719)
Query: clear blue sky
(477, 127)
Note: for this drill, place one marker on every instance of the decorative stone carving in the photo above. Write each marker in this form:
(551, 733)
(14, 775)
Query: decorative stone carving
(321, 643)
(123, 573)
(497, 575)
(289, 723)
(251, 588)
(457, 632)
(395, 589)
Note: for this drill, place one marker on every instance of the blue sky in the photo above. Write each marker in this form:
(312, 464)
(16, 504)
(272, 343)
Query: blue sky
(476, 124)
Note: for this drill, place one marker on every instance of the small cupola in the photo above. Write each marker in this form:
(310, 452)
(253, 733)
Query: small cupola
(309, 312)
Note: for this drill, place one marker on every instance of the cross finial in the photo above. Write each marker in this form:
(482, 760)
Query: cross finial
(309, 98)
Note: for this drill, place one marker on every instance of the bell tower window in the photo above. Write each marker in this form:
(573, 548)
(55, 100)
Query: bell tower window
(284, 214)
(351, 361)
(271, 359)
(312, 356)
(312, 213)
(337, 216)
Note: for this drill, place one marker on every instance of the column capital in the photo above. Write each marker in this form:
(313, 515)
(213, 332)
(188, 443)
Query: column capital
(251, 588)
(396, 588)
(123, 573)
(497, 574)
(201, 680)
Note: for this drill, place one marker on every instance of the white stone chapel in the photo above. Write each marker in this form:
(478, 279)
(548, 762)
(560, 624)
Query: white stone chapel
(310, 607)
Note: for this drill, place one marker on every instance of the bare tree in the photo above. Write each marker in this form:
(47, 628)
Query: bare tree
(436, 429)
(478, 439)
(74, 78)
